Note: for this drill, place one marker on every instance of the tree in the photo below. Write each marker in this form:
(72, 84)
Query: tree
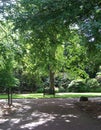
(75, 56)
(90, 30)
(46, 25)
(7, 77)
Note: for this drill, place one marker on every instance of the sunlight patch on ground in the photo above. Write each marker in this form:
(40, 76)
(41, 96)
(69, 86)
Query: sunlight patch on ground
(67, 121)
(15, 121)
(68, 116)
(26, 107)
(1, 113)
(68, 104)
(44, 118)
(99, 117)
(3, 120)
(71, 115)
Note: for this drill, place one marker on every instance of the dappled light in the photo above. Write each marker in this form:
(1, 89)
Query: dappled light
(31, 114)
(14, 121)
(50, 64)
(3, 120)
(47, 114)
(99, 117)
(43, 119)
(70, 115)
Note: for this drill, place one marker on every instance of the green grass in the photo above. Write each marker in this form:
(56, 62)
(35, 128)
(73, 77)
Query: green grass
(58, 95)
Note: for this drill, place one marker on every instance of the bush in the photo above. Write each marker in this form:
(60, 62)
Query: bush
(62, 83)
(98, 77)
(93, 85)
(77, 86)
(39, 90)
(62, 89)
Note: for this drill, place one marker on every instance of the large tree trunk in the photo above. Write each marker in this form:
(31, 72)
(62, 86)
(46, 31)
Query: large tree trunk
(51, 85)
(51, 66)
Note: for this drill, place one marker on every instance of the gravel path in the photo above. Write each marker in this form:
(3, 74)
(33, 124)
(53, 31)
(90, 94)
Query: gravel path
(45, 114)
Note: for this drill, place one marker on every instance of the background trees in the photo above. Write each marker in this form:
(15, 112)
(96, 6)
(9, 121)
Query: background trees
(48, 38)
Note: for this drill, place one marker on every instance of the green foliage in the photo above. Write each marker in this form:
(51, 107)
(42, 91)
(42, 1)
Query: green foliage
(93, 85)
(77, 86)
(62, 80)
(98, 75)
(39, 36)
(7, 78)
(7, 61)
(48, 30)
(62, 89)
(39, 90)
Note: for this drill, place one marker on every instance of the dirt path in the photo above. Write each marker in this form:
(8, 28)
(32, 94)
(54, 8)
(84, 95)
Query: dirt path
(46, 114)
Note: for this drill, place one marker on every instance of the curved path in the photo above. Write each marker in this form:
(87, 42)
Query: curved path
(45, 114)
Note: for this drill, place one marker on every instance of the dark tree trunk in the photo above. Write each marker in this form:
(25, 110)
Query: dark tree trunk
(51, 66)
(9, 97)
(51, 85)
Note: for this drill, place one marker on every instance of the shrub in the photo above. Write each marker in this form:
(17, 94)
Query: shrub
(98, 77)
(77, 86)
(39, 90)
(93, 85)
(61, 89)
(62, 83)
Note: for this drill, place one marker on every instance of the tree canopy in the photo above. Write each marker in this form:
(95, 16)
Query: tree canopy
(42, 37)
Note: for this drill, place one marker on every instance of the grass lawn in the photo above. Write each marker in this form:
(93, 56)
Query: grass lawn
(58, 95)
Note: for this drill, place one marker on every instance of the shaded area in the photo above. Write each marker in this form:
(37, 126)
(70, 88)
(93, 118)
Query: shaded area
(92, 107)
(45, 114)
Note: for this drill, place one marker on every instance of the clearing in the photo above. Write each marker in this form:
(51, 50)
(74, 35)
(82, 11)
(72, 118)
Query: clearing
(51, 114)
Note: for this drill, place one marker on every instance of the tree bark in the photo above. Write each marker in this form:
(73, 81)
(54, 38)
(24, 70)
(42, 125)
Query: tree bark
(9, 97)
(51, 85)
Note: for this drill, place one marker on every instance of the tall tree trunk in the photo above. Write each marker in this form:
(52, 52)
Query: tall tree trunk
(51, 66)
(51, 85)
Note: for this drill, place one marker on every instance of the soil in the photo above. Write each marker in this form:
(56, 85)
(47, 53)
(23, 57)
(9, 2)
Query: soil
(91, 107)
(51, 114)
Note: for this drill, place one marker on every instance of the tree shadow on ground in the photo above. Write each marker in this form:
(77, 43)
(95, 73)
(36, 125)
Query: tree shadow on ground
(44, 114)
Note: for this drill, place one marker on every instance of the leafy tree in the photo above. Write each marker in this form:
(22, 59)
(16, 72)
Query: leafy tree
(7, 77)
(75, 56)
(46, 25)
(90, 31)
